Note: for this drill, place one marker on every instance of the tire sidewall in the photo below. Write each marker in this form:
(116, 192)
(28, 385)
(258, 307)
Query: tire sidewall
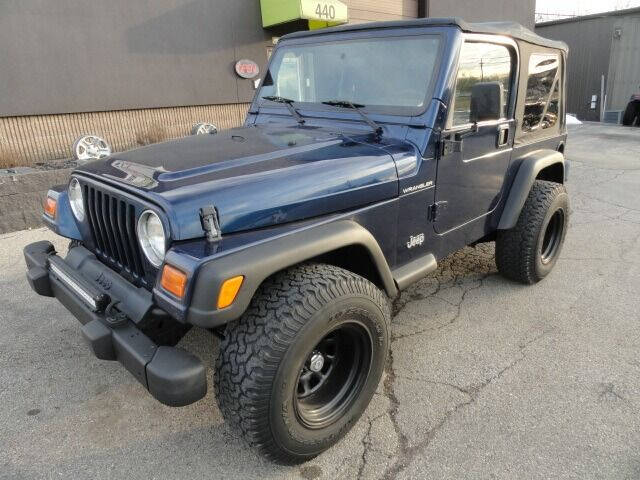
(560, 202)
(288, 432)
(631, 114)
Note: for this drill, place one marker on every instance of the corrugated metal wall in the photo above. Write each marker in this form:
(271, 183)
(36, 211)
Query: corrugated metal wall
(589, 43)
(593, 52)
(31, 139)
(521, 11)
(624, 67)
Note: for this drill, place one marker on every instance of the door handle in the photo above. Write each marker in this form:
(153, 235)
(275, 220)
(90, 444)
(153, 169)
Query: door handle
(503, 135)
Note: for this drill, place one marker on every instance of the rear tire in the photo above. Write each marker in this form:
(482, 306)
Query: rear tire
(528, 252)
(297, 370)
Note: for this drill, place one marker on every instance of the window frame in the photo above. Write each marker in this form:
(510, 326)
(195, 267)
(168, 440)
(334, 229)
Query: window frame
(512, 46)
(529, 137)
(394, 111)
(557, 80)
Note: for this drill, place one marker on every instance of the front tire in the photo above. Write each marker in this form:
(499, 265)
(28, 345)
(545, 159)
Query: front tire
(299, 368)
(527, 252)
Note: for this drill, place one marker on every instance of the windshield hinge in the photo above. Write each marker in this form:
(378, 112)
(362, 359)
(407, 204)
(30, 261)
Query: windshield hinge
(435, 210)
(448, 146)
(210, 223)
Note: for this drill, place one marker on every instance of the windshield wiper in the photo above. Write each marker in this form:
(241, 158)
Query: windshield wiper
(289, 103)
(377, 129)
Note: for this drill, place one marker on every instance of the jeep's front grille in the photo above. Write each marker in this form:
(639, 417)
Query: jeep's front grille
(112, 221)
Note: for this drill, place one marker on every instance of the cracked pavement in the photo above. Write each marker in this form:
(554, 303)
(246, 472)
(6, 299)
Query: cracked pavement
(486, 378)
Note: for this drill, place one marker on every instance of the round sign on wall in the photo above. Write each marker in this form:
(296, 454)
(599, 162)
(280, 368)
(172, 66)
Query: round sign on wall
(247, 68)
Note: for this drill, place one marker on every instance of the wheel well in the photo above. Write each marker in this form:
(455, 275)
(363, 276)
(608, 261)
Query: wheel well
(552, 173)
(356, 259)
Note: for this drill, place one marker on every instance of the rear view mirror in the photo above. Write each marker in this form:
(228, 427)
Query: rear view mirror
(486, 101)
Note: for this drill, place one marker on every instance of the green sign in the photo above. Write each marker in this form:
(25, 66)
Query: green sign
(320, 13)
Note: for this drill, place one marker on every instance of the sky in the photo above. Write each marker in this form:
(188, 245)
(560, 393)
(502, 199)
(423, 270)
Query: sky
(554, 9)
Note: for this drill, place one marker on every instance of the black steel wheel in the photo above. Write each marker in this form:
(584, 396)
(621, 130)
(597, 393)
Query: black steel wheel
(552, 238)
(295, 373)
(333, 375)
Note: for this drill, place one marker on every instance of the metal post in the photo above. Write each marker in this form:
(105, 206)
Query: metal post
(603, 100)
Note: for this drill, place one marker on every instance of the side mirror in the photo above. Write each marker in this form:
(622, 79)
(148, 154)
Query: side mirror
(486, 101)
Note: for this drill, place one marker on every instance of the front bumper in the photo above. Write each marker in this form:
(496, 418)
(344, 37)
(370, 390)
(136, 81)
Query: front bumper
(109, 309)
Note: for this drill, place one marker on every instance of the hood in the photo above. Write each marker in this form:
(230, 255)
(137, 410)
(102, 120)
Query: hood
(255, 176)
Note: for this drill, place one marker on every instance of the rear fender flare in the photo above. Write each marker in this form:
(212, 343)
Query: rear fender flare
(532, 164)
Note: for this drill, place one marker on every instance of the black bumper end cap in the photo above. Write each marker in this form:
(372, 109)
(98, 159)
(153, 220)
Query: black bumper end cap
(38, 278)
(98, 336)
(36, 255)
(176, 377)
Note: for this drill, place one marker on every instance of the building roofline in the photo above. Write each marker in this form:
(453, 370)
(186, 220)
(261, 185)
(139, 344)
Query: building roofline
(612, 13)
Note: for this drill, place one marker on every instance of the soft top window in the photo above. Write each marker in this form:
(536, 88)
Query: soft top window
(481, 62)
(542, 99)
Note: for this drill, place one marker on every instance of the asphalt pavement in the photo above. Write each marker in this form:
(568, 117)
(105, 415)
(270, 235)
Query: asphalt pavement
(487, 379)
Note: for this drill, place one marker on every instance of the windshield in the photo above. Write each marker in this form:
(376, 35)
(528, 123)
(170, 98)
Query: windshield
(388, 75)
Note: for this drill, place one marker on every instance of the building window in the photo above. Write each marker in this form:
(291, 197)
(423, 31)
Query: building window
(479, 63)
(541, 109)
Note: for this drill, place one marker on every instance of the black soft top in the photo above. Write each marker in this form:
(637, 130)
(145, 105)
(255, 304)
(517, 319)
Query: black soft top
(509, 29)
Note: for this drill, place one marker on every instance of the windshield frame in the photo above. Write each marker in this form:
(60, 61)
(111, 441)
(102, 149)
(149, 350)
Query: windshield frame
(326, 38)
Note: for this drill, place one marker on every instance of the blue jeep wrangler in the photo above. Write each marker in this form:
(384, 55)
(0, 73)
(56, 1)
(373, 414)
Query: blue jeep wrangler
(369, 153)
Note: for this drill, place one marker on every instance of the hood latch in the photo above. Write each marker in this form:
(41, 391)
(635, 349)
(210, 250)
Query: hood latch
(210, 223)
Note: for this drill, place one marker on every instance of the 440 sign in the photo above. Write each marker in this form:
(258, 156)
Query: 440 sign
(325, 10)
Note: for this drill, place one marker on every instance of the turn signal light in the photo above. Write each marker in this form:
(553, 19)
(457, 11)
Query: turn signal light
(229, 291)
(50, 205)
(174, 281)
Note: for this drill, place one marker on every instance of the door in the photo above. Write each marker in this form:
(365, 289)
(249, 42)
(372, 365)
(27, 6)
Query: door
(475, 153)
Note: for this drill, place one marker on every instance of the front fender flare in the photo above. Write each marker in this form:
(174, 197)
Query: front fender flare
(532, 164)
(257, 262)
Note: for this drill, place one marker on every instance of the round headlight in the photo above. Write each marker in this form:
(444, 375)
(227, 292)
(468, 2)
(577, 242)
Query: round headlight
(151, 237)
(75, 199)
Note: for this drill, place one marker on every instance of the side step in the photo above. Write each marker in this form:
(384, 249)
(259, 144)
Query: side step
(414, 271)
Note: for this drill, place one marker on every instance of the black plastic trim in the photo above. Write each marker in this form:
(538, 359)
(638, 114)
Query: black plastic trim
(173, 376)
(528, 170)
(414, 271)
(257, 262)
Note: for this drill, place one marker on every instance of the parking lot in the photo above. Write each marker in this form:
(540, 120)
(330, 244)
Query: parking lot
(487, 378)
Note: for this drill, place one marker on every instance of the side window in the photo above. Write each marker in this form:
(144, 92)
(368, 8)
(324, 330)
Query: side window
(553, 110)
(542, 100)
(480, 62)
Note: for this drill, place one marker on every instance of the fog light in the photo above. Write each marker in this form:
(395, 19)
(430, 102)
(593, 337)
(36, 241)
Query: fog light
(229, 291)
(50, 205)
(174, 281)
